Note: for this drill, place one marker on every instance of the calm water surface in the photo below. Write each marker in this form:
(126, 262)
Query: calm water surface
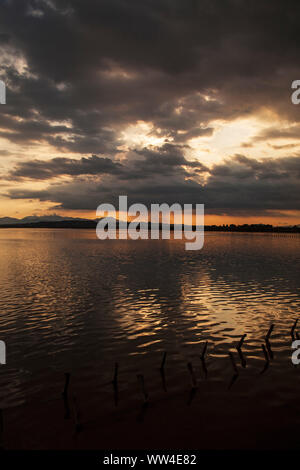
(70, 302)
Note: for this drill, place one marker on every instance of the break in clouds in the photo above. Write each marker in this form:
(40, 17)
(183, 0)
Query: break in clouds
(127, 97)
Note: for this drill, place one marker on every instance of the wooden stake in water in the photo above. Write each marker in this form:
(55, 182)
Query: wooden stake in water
(115, 379)
(265, 353)
(193, 377)
(162, 366)
(235, 369)
(293, 328)
(267, 337)
(240, 343)
(267, 363)
(204, 350)
(67, 381)
(143, 387)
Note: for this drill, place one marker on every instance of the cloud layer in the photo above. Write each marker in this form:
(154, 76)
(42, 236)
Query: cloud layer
(86, 79)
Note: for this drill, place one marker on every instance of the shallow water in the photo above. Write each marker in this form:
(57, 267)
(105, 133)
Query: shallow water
(72, 303)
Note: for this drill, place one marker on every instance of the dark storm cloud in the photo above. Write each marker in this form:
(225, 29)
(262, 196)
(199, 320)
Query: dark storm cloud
(165, 161)
(180, 64)
(28, 130)
(231, 49)
(38, 169)
(240, 185)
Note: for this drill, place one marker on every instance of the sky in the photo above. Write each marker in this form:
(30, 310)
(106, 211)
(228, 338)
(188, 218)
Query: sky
(184, 101)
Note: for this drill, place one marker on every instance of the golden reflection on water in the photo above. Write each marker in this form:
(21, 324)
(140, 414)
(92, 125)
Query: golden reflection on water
(69, 299)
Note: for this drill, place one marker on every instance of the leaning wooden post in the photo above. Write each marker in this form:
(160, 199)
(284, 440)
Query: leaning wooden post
(267, 337)
(67, 381)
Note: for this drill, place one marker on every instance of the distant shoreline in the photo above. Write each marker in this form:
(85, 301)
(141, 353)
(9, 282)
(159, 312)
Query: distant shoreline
(259, 228)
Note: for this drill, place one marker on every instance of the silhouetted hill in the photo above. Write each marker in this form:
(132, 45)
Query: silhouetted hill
(71, 223)
(35, 219)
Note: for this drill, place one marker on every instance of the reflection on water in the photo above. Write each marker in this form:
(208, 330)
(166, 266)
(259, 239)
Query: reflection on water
(70, 302)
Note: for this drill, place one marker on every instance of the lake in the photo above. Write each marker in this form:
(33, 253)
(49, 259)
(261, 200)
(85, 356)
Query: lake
(72, 303)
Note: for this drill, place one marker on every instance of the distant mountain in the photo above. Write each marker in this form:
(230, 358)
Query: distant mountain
(8, 220)
(35, 219)
(56, 221)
